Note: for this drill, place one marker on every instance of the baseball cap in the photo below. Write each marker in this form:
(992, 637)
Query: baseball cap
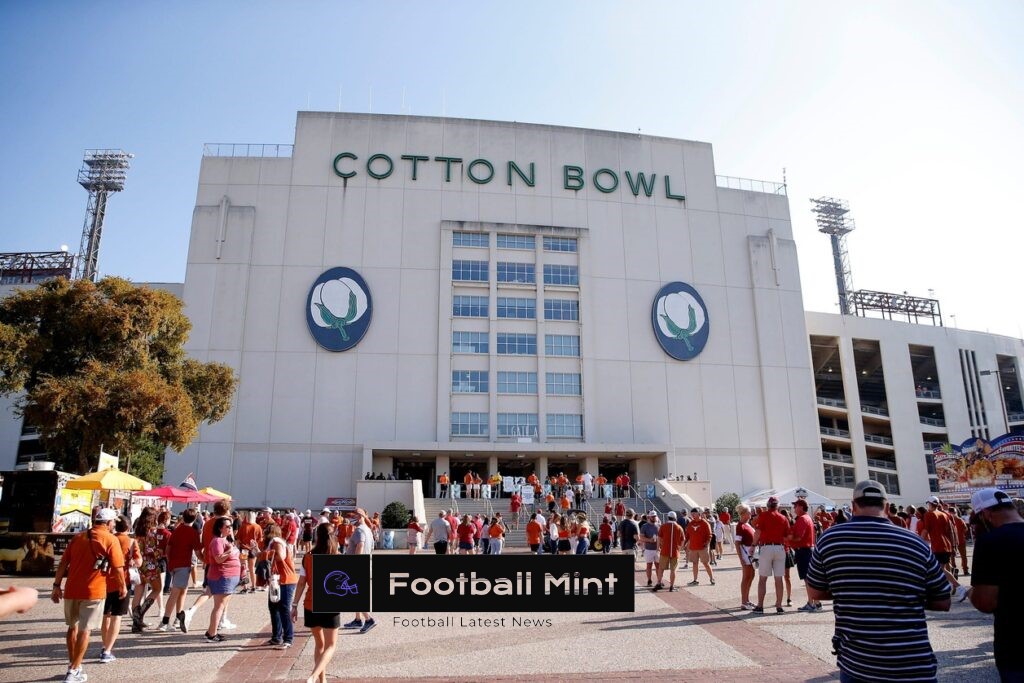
(773, 502)
(670, 515)
(987, 498)
(106, 515)
(268, 510)
(869, 489)
(934, 500)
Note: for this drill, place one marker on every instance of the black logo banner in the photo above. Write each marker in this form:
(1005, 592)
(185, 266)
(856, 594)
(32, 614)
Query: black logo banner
(341, 583)
(507, 583)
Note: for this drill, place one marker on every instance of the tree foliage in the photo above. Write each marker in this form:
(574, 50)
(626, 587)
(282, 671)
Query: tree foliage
(145, 460)
(395, 516)
(102, 364)
(727, 501)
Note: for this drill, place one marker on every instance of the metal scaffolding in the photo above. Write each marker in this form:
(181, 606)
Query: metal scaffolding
(916, 308)
(24, 267)
(103, 171)
(833, 221)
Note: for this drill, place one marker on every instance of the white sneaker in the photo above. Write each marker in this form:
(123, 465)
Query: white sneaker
(961, 593)
(189, 613)
(226, 625)
(163, 628)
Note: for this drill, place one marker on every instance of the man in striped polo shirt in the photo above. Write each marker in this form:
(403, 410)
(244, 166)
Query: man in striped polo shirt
(881, 579)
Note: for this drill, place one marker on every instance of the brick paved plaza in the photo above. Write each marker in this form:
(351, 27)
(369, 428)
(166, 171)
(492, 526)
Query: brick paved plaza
(689, 635)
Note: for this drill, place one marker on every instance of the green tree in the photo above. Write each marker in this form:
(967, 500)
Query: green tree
(394, 516)
(727, 501)
(102, 364)
(145, 460)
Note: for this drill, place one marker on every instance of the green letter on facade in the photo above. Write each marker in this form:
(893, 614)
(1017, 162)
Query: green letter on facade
(337, 171)
(668, 191)
(374, 174)
(480, 162)
(572, 178)
(609, 172)
(448, 161)
(414, 158)
(513, 166)
(641, 180)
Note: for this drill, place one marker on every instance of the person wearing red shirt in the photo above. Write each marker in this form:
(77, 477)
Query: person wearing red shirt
(620, 511)
(670, 539)
(726, 519)
(605, 534)
(745, 551)
(801, 540)
(534, 534)
(466, 531)
(608, 508)
(183, 543)
(453, 536)
(961, 537)
(515, 506)
(823, 517)
(625, 485)
(698, 539)
(618, 486)
(938, 529)
(772, 528)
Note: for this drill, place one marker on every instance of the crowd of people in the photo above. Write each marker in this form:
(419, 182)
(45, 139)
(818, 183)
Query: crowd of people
(878, 563)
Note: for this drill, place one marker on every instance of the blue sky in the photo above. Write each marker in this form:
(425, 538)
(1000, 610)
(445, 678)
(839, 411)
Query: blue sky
(910, 110)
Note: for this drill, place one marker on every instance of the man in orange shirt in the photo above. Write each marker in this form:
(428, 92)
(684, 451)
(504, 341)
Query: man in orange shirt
(670, 540)
(443, 485)
(534, 534)
(939, 531)
(550, 500)
(467, 483)
(961, 537)
(618, 486)
(698, 536)
(90, 558)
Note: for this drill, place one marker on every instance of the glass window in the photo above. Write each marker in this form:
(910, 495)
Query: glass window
(469, 342)
(469, 382)
(930, 461)
(559, 244)
(513, 307)
(469, 271)
(469, 424)
(517, 424)
(517, 382)
(560, 424)
(561, 309)
(561, 345)
(522, 273)
(889, 480)
(563, 383)
(516, 344)
(516, 242)
(561, 275)
(470, 239)
(839, 476)
(933, 485)
(469, 306)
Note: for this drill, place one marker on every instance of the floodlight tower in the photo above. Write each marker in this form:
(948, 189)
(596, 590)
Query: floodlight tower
(833, 221)
(103, 171)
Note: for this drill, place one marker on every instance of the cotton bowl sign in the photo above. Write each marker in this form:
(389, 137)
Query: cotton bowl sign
(338, 309)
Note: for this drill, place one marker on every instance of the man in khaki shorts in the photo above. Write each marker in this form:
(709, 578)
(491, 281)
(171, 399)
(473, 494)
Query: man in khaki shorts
(670, 540)
(698, 543)
(90, 558)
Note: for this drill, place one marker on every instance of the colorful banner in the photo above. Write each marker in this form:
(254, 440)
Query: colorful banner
(527, 493)
(107, 462)
(977, 464)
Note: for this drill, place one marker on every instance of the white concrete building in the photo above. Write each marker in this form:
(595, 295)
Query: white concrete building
(523, 298)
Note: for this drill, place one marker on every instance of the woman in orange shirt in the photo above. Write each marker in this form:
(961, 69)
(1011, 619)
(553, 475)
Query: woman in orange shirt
(582, 534)
(282, 565)
(564, 533)
(496, 531)
(250, 542)
(323, 625)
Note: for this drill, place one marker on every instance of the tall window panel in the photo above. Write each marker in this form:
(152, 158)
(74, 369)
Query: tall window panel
(517, 344)
(565, 425)
(517, 382)
(469, 306)
(842, 477)
(469, 271)
(517, 424)
(470, 382)
(890, 480)
(555, 274)
(518, 273)
(561, 309)
(469, 424)
(516, 307)
(470, 342)
(470, 239)
(563, 384)
(561, 345)
(516, 242)
(560, 244)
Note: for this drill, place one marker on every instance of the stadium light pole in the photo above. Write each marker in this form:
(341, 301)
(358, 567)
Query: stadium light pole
(1002, 398)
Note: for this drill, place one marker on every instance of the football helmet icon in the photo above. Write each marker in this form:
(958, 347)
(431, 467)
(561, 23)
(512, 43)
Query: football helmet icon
(338, 583)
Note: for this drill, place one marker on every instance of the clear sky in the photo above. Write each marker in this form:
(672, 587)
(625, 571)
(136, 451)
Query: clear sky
(912, 111)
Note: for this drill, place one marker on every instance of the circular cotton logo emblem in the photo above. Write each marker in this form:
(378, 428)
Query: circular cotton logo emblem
(338, 309)
(680, 320)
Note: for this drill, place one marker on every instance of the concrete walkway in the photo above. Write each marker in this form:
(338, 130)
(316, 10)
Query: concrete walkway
(689, 635)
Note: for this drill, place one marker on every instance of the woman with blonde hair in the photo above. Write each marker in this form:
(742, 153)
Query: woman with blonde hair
(250, 542)
(582, 533)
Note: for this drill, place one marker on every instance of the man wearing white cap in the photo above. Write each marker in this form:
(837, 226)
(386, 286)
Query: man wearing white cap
(995, 580)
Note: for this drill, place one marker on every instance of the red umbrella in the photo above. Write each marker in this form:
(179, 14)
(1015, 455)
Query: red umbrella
(173, 493)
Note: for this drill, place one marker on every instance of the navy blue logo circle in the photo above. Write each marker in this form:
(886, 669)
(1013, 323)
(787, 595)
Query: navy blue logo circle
(680, 320)
(338, 309)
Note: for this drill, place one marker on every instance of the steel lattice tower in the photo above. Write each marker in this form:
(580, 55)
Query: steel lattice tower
(833, 221)
(103, 171)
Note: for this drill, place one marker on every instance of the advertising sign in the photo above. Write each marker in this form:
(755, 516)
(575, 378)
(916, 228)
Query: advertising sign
(977, 464)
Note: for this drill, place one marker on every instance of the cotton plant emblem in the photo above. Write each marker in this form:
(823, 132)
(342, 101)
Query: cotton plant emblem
(338, 309)
(674, 303)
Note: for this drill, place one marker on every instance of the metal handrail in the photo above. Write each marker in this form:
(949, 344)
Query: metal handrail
(1015, 417)
(875, 438)
(930, 446)
(874, 410)
(749, 185)
(832, 431)
(834, 402)
(928, 393)
(832, 456)
(882, 464)
(258, 151)
(935, 422)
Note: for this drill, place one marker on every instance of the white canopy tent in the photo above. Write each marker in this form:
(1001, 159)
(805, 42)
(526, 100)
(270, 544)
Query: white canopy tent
(787, 496)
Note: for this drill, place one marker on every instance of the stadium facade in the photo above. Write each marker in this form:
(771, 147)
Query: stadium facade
(424, 295)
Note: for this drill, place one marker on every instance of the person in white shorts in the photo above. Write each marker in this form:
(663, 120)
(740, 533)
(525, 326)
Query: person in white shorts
(772, 529)
(649, 539)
